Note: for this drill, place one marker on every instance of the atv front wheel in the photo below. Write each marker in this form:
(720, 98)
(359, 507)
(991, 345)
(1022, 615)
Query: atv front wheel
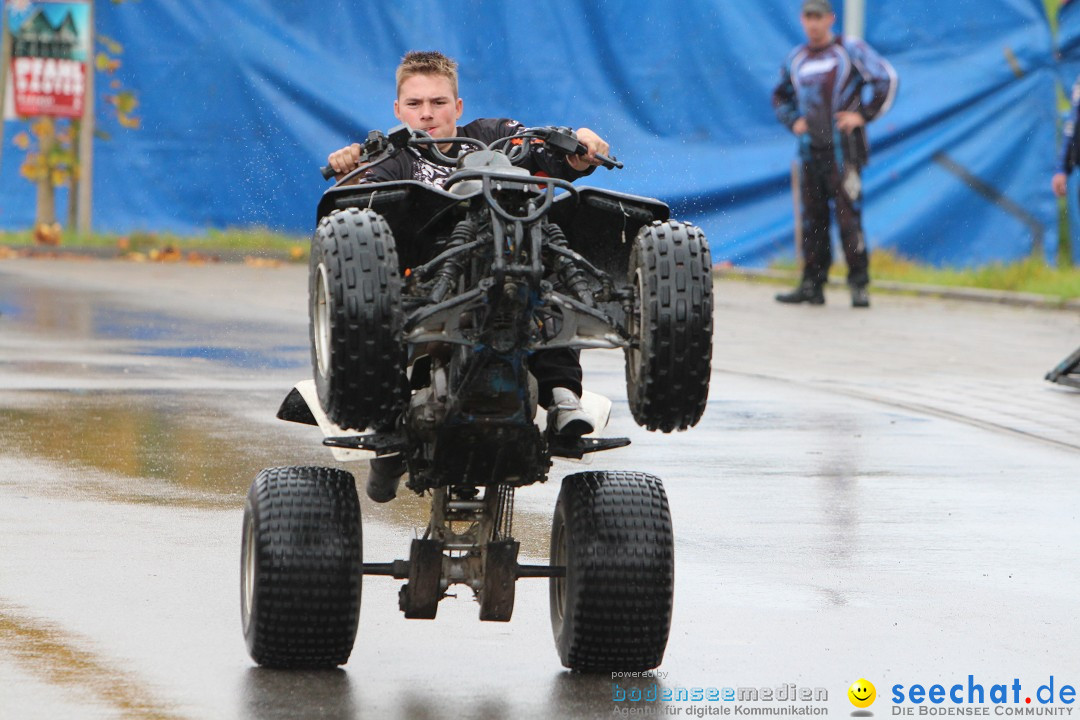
(667, 371)
(612, 608)
(301, 567)
(357, 354)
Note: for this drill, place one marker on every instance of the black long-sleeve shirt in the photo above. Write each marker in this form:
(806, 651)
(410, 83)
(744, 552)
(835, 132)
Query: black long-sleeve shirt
(416, 164)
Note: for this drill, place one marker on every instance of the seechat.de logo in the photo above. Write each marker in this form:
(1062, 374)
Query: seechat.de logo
(862, 693)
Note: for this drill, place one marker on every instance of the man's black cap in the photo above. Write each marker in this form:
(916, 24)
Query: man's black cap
(817, 7)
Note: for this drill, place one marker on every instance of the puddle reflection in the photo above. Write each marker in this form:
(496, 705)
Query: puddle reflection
(156, 437)
(182, 450)
(289, 694)
(276, 358)
(45, 309)
(87, 316)
(277, 695)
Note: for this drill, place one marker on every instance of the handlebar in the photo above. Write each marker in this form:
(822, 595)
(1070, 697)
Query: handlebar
(562, 139)
(559, 139)
(377, 143)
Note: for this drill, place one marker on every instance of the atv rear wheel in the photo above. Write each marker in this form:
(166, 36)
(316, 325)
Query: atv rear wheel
(301, 567)
(612, 608)
(357, 354)
(667, 371)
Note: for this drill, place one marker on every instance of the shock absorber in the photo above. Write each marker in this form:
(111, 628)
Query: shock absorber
(447, 276)
(570, 275)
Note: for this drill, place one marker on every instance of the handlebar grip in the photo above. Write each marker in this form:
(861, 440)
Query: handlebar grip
(327, 172)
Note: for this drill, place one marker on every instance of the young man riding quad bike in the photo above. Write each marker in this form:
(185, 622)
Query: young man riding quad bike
(428, 100)
(450, 291)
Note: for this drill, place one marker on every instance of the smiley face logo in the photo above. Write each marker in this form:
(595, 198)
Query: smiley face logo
(862, 693)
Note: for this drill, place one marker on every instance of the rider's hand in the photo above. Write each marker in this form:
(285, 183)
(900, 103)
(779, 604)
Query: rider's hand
(799, 127)
(848, 121)
(344, 160)
(593, 144)
(1059, 183)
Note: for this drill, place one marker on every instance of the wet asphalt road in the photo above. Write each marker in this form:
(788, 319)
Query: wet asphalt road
(889, 494)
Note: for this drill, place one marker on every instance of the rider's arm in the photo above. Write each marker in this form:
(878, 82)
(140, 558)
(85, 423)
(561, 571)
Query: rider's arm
(594, 144)
(345, 160)
(558, 165)
(380, 169)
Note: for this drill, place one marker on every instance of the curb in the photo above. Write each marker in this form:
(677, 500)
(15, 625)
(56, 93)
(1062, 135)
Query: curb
(998, 297)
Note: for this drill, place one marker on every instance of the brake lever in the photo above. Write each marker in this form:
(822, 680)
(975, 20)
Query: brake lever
(564, 141)
(611, 163)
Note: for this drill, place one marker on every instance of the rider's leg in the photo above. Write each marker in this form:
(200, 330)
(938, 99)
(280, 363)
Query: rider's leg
(384, 474)
(560, 367)
(558, 376)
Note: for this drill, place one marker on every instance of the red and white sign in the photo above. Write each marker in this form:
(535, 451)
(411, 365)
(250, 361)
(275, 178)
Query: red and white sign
(51, 43)
(48, 86)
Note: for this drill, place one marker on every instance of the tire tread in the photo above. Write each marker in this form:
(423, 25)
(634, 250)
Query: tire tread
(309, 567)
(622, 554)
(365, 382)
(672, 386)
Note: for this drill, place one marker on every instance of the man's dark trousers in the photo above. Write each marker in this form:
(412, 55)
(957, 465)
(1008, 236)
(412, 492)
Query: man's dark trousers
(822, 181)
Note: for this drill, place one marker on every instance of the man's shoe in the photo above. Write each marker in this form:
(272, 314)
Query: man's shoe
(860, 298)
(566, 415)
(384, 476)
(807, 292)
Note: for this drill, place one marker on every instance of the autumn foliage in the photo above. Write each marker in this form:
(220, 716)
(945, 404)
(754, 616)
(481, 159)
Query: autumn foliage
(51, 145)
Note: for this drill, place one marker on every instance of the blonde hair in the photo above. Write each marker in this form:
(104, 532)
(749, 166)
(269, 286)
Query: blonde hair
(430, 62)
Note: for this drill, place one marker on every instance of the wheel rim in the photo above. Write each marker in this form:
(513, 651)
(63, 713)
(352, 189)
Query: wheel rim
(636, 324)
(559, 560)
(248, 573)
(321, 320)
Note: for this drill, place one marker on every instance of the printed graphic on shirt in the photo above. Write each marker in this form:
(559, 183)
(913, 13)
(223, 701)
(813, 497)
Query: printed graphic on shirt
(811, 68)
(428, 171)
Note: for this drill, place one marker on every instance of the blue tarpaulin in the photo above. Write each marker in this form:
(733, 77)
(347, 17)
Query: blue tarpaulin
(242, 101)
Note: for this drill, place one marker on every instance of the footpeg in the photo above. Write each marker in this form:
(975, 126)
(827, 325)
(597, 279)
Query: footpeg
(576, 448)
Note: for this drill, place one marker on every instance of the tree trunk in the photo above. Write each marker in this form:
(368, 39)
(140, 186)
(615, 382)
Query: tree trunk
(84, 191)
(76, 171)
(5, 58)
(46, 193)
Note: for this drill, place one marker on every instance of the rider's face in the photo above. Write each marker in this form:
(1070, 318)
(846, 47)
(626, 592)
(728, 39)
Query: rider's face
(818, 27)
(427, 102)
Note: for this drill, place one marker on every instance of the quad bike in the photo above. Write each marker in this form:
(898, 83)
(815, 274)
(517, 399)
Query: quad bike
(425, 305)
(1067, 372)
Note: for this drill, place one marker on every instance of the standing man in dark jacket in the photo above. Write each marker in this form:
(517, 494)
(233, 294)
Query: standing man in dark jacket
(829, 89)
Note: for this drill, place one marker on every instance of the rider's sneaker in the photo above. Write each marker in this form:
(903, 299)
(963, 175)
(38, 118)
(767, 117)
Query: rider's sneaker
(807, 292)
(860, 298)
(384, 476)
(566, 414)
